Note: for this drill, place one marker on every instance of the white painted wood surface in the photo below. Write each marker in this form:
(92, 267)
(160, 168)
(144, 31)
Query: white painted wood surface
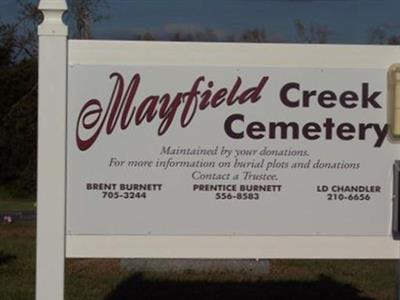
(96, 52)
(221, 54)
(233, 247)
(51, 152)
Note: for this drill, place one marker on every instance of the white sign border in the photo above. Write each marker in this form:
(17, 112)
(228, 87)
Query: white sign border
(228, 54)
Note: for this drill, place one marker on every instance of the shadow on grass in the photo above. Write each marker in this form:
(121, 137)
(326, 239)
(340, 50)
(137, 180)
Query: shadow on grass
(324, 288)
(6, 258)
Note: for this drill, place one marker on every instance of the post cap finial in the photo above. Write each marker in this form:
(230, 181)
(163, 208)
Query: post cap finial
(53, 11)
(53, 5)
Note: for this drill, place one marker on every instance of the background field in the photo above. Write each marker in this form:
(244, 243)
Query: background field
(88, 279)
(11, 200)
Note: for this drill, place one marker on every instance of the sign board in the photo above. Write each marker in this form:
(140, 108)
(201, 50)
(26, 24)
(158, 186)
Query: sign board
(234, 150)
(204, 144)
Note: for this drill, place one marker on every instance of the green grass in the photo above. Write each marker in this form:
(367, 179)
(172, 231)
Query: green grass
(11, 200)
(17, 262)
(12, 206)
(94, 279)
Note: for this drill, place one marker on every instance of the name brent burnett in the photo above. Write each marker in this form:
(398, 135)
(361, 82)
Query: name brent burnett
(124, 186)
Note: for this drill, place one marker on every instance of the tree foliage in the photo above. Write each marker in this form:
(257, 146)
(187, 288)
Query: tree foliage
(313, 33)
(18, 106)
(83, 14)
(7, 41)
(18, 87)
(379, 35)
(254, 36)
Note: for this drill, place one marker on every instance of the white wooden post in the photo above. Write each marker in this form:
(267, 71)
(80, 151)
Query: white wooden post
(50, 256)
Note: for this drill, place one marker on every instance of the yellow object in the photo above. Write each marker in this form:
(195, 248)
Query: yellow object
(394, 91)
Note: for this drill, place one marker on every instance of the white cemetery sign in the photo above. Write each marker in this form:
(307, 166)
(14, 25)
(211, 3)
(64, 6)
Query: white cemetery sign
(198, 150)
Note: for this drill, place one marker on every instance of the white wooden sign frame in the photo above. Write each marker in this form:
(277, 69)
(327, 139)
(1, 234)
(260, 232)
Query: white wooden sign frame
(53, 245)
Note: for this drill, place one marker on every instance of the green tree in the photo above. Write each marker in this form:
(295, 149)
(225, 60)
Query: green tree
(18, 87)
(314, 33)
(379, 35)
(254, 36)
(7, 41)
(83, 14)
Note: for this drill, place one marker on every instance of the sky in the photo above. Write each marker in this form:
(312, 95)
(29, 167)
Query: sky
(348, 21)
